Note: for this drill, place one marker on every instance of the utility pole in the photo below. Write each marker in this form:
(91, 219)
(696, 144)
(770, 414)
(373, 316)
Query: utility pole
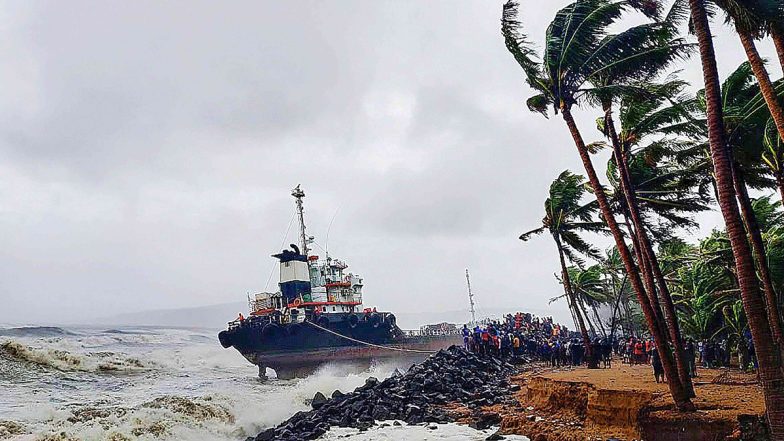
(471, 299)
(298, 195)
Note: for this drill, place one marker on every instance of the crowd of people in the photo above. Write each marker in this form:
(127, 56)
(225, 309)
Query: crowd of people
(524, 335)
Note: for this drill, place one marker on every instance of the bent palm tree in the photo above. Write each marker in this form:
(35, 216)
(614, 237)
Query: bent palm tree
(578, 50)
(565, 217)
(590, 290)
(750, 20)
(667, 190)
(745, 120)
(768, 354)
(773, 156)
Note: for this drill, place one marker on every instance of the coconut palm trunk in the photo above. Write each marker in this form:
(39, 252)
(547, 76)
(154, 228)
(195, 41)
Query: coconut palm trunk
(758, 249)
(648, 254)
(763, 79)
(587, 316)
(567, 283)
(617, 308)
(647, 278)
(679, 394)
(777, 35)
(768, 355)
(598, 319)
(571, 310)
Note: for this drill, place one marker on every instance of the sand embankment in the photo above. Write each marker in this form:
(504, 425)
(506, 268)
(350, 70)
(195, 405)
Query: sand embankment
(625, 403)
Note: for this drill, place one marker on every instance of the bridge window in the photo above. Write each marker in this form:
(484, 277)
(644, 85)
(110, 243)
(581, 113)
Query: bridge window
(324, 308)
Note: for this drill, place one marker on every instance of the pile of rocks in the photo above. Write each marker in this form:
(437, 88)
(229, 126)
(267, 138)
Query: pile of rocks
(450, 376)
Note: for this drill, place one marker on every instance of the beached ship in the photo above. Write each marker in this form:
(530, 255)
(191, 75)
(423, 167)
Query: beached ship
(318, 317)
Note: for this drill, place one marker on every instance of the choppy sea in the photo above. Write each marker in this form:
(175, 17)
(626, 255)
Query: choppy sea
(147, 383)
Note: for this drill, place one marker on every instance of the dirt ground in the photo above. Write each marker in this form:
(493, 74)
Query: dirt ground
(625, 402)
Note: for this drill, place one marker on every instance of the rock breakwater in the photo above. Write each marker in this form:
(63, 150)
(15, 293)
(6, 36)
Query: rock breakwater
(450, 377)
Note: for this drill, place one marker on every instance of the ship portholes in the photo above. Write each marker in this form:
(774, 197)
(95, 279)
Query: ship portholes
(270, 330)
(353, 320)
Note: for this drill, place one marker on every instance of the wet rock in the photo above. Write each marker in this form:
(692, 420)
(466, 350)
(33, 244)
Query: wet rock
(318, 400)
(267, 435)
(495, 437)
(451, 375)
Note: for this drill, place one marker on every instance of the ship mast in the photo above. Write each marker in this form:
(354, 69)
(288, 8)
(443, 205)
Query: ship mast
(471, 298)
(298, 195)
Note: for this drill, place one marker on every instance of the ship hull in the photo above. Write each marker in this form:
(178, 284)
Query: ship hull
(297, 350)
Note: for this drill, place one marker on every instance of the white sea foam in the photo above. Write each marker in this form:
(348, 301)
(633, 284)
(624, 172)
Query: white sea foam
(67, 361)
(431, 432)
(189, 388)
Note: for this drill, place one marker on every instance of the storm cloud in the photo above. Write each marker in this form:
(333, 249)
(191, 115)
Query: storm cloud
(148, 149)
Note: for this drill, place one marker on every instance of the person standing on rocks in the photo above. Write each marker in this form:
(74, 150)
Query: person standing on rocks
(485, 341)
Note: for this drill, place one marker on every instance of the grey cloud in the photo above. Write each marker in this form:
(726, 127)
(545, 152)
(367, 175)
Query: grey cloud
(147, 150)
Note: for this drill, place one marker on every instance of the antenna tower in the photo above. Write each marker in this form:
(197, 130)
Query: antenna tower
(298, 195)
(471, 298)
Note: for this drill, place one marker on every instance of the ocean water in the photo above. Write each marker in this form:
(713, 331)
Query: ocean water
(68, 384)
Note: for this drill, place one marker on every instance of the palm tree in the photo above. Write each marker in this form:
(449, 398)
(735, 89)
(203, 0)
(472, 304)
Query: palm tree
(735, 325)
(616, 279)
(749, 19)
(745, 118)
(768, 214)
(565, 217)
(590, 290)
(578, 50)
(771, 223)
(700, 298)
(773, 156)
(768, 354)
(644, 113)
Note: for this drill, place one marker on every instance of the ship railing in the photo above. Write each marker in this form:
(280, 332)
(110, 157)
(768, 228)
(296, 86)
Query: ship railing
(253, 321)
(433, 333)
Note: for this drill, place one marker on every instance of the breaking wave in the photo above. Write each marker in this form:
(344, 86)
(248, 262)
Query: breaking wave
(10, 428)
(66, 361)
(166, 417)
(216, 416)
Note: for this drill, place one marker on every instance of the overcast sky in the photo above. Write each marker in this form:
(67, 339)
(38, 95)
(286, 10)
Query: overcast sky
(148, 150)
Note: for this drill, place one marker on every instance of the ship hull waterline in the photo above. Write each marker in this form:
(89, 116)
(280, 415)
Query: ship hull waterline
(300, 363)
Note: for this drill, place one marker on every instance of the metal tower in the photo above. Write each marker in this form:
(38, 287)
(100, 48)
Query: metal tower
(471, 298)
(298, 195)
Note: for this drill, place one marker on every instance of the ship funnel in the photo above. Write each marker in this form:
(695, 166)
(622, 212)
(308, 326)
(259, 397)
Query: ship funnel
(294, 275)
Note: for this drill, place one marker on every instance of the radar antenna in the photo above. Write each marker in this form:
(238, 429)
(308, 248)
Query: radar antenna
(471, 298)
(298, 195)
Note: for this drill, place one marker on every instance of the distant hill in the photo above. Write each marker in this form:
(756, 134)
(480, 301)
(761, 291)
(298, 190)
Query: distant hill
(211, 316)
